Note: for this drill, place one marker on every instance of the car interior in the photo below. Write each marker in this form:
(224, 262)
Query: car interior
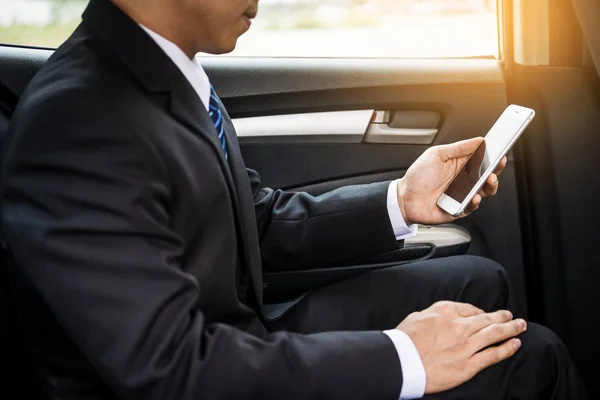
(315, 124)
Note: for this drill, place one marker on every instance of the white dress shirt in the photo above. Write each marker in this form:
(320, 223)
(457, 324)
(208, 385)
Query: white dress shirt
(413, 372)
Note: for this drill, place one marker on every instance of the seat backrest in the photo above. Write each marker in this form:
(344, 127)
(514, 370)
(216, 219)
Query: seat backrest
(18, 376)
(7, 106)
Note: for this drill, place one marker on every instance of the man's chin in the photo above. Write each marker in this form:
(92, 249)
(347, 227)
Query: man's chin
(227, 46)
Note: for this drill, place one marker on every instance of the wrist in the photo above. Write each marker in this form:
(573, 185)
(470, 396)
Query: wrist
(401, 193)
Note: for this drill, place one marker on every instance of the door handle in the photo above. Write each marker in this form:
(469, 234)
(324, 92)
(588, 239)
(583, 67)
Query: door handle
(382, 133)
(448, 239)
(402, 127)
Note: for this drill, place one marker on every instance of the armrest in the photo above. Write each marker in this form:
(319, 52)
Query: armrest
(430, 242)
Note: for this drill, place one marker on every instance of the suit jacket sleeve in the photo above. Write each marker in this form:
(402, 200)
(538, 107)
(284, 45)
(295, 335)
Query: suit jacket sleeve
(300, 231)
(86, 216)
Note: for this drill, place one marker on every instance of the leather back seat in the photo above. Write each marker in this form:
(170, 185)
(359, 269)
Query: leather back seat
(18, 376)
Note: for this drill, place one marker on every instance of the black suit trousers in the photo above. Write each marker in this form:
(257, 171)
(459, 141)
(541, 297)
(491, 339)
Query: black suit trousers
(541, 368)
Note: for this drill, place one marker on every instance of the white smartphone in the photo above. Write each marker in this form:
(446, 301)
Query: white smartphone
(498, 142)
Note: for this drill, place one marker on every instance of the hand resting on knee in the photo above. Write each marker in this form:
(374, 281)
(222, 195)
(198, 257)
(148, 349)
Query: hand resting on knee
(456, 341)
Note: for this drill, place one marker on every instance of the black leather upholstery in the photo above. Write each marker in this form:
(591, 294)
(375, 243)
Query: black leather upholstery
(4, 120)
(8, 102)
(18, 376)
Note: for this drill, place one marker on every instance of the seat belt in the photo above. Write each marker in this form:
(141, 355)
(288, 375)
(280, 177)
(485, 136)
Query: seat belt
(588, 12)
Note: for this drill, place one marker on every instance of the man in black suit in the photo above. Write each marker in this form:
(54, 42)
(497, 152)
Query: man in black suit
(139, 239)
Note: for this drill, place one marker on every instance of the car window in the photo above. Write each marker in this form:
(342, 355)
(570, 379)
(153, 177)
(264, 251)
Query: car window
(373, 28)
(307, 28)
(43, 23)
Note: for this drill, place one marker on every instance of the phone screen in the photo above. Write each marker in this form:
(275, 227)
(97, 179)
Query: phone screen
(488, 153)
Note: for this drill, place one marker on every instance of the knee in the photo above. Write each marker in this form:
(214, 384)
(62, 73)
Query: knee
(541, 341)
(545, 350)
(487, 281)
(489, 273)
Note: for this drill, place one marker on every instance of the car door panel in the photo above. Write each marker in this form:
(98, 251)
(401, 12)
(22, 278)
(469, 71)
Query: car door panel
(238, 77)
(469, 98)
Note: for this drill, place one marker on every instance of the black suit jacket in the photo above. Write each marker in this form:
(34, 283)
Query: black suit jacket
(140, 249)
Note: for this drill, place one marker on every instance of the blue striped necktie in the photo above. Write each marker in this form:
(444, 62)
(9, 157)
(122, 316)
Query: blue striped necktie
(214, 110)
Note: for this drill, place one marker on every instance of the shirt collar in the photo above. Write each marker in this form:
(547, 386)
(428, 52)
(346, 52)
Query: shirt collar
(191, 69)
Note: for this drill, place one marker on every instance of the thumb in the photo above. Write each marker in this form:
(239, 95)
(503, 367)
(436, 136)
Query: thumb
(461, 149)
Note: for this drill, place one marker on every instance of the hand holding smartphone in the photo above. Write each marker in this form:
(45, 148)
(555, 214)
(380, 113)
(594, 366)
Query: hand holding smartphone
(498, 142)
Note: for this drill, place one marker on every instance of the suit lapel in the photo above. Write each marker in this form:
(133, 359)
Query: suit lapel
(248, 214)
(190, 111)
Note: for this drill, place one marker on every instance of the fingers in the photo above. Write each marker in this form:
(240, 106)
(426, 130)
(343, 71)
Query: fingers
(492, 180)
(464, 148)
(496, 333)
(493, 355)
(501, 166)
(491, 186)
(478, 322)
(473, 206)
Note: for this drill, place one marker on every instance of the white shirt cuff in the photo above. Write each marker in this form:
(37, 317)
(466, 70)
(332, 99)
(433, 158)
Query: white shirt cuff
(401, 229)
(414, 378)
